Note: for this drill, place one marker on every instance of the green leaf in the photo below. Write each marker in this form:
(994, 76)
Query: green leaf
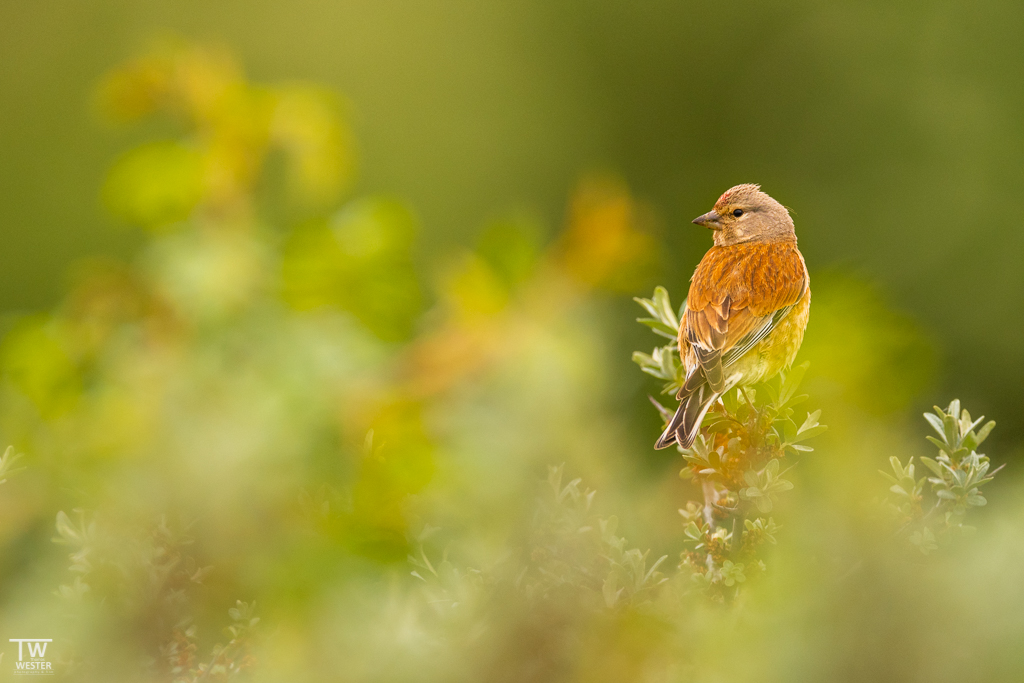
(924, 540)
(783, 485)
(643, 359)
(7, 461)
(954, 409)
(941, 444)
(932, 465)
(889, 477)
(659, 327)
(732, 573)
(897, 467)
(951, 430)
(808, 433)
(791, 382)
(648, 306)
(651, 572)
(664, 306)
(936, 422)
(660, 308)
(985, 431)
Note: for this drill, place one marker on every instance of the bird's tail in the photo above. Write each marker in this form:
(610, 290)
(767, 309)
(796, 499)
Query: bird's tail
(683, 427)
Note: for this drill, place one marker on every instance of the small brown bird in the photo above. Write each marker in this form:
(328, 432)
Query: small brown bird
(747, 308)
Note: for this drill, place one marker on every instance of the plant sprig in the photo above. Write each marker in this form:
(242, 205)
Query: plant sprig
(958, 472)
(737, 459)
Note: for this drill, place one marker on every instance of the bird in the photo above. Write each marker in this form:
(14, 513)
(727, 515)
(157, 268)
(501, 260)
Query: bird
(747, 308)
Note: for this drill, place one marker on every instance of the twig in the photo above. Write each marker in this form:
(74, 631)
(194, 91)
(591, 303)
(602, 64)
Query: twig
(711, 498)
(665, 414)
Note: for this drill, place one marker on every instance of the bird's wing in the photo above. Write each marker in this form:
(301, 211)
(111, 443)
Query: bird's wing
(738, 295)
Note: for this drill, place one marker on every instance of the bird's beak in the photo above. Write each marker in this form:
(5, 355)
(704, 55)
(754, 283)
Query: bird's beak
(710, 220)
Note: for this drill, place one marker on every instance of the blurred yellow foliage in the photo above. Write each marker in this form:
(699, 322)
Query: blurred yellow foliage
(607, 242)
(36, 360)
(359, 260)
(234, 126)
(509, 287)
(475, 290)
(156, 184)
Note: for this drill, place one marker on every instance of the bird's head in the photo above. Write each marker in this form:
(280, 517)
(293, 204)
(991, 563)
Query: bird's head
(745, 214)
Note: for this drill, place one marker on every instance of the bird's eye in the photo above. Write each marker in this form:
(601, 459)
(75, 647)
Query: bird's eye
(737, 213)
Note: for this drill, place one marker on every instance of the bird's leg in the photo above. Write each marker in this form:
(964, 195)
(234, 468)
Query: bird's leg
(746, 396)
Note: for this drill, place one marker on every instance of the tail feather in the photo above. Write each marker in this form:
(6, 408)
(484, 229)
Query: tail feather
(668, 437)
(683, 427)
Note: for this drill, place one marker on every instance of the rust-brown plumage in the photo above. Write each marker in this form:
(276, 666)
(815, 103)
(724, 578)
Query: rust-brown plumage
(747, 306)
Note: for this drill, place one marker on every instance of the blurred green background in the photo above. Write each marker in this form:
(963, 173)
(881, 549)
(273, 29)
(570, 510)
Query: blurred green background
(293, 291)
(892, 130)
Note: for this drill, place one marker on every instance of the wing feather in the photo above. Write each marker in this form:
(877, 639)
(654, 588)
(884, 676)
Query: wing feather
(738, 295)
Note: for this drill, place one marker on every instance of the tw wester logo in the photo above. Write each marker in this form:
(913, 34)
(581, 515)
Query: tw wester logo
(36, 664)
